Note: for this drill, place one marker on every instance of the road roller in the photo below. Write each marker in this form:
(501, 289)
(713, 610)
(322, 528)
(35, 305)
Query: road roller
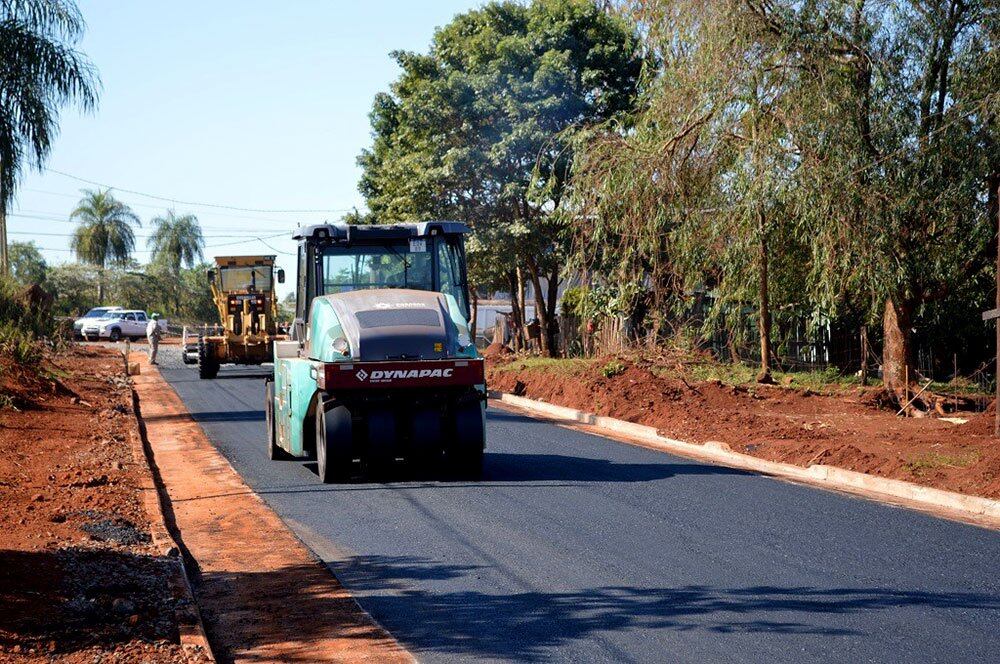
(381, 367)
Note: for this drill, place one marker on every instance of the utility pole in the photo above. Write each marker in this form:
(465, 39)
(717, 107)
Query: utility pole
(4, 256)
(994, 314)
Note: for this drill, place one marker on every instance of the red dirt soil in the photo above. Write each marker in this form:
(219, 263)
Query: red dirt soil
(79, 578)
(263, 595)
(848, 430)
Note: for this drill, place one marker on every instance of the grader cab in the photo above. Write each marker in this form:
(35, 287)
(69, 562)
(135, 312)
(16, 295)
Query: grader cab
(243, 289)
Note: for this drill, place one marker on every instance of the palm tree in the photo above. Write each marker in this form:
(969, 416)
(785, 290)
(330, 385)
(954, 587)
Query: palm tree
(104, 235)
(176, 241)
(40, 72)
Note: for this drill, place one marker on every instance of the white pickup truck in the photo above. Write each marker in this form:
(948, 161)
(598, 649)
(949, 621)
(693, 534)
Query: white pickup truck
(119, 324)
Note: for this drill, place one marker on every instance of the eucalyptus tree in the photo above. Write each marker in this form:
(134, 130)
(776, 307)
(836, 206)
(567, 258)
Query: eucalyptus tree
(476, 129)
(866, 132)
(104, 234)
(900, 159)
(176, 241)
(40, 72)
(692, 194)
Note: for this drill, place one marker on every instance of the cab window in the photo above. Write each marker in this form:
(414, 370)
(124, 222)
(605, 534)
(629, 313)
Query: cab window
(449, 254)
(389, 265)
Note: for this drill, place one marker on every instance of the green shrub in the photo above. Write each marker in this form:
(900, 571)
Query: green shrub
(19, 345)
(22, 325)
(612, 369)
(36, 321)
(572, 301)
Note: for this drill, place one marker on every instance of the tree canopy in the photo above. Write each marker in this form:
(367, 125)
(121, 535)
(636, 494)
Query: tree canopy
(477, 129)
(40, 72)
(838, 158)
(27, 265)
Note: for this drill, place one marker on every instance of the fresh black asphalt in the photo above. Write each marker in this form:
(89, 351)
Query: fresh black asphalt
(580, 549)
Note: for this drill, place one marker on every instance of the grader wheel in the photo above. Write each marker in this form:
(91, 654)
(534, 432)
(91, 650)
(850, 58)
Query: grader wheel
(208, 366)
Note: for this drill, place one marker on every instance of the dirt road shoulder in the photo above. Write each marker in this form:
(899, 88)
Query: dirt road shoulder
(83, 577)
(263, 595)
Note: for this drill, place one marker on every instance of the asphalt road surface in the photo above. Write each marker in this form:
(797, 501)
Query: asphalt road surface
(577, 548)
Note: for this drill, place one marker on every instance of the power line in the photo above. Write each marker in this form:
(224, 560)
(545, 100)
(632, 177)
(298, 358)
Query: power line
(45, 216)
(139, 235)
(160, 207)
(191, 203)
(253, 239)
(286, 253)
(207, 246)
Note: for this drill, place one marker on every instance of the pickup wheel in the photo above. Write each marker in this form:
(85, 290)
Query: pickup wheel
(274, 452)
(115, 334)
(208, 367)
(334, 440)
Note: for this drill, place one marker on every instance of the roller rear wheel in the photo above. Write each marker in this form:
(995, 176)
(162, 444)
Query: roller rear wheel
(465, 453)
(334, 442)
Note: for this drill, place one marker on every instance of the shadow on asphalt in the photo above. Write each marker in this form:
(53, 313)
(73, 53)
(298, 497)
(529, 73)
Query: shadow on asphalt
(222, 376)
(500, 468)
(528, 625)
(213, 416)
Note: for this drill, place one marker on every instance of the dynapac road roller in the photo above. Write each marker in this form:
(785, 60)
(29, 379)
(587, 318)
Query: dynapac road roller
(381, 366)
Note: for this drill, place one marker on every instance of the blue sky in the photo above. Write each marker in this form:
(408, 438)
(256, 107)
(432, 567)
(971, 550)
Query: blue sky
(253, 104)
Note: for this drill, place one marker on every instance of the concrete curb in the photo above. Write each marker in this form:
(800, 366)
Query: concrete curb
(190, 627)
(978, 510)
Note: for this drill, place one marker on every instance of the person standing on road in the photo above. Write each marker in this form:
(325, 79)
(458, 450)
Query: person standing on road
(153, 333)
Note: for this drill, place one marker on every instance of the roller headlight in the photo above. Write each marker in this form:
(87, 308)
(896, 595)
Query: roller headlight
(341, 346)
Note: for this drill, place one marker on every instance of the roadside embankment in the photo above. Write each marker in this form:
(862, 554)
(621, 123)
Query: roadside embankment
(847, 429)
(263, 595)
(82, 576)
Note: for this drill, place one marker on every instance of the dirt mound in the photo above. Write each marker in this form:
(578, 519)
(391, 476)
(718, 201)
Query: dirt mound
(851, 430)
(983, 424)
(24, 386)
(495, 350)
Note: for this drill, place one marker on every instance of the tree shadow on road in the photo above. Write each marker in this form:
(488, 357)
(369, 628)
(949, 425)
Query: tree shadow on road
(417, 601)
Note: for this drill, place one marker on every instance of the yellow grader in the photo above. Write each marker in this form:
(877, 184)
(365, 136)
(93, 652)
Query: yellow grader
(243, 289)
